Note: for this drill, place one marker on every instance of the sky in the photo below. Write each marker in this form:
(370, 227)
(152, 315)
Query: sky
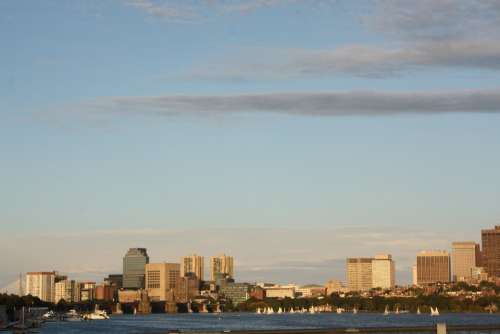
(290, 134)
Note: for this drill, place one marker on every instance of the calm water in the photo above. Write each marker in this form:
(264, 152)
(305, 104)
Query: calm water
(161, 323)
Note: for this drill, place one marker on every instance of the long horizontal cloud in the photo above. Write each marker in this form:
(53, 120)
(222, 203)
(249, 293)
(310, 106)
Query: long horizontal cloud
(307, 104)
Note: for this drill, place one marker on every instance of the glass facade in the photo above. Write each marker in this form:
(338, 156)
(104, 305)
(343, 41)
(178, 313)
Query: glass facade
(134, 263)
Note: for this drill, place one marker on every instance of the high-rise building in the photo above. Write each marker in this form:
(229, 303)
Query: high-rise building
(433, 267)
(65, 290)
(491, 251)
(414, 275)
(192, 264)
(87, 290)
(464, 259)
(383, 272)
(41, 284)
(161, 279)
(221, 265)
(134, 263)
(359, 274)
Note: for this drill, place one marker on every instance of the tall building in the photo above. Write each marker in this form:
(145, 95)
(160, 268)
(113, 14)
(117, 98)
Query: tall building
(491, 251)
(383, 272)
(193, 264)
(161, 279)
(134, 263)
(433, 267)
(221, 265)
(359, 274)
(41, 284)
(464, 259)
(65, 290)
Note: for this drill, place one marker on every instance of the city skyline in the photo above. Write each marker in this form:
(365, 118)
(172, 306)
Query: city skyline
(289, 134)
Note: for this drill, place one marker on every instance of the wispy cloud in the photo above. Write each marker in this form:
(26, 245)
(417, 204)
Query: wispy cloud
(305, 104)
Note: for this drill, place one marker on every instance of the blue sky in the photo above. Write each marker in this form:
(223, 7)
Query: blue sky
(131, 123)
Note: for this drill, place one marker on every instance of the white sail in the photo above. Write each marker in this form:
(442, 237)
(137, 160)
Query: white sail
(418, 310)
(386, 312)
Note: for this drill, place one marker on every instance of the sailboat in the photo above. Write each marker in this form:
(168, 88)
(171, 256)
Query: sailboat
(292, 311)
(397, 310)
(258, 310)
(311, 310)
(434, 312)
(354, 311)
(280, 310)
(418, 310)
(386, 312)
(340, 310)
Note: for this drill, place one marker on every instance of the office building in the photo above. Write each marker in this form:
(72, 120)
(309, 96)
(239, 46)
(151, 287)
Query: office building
(134, 263)
(115, 280)
(187, 288)
(161, 279)
(41, 284)
(193, 264)
(464, 259)
(383, 272)
(490, 239)
(433, 267)
(87, 291)
(359, 274)
(221, 265)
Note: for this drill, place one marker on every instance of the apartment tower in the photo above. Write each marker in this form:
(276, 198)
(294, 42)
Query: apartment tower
(221, 265)
(192, 265)
(41, 284)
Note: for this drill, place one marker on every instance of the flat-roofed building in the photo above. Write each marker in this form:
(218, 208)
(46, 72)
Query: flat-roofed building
(65, 290)
(280, 292)
(186, 288)
(383, 272)
(359, 274)
(334, 286)
(221, 265)
(490, 239)
(433, 267)
(464, 259)
(193, 264)
(134, 263)
(87, 290)
(236, 292)
(161, 279)
(41, 284)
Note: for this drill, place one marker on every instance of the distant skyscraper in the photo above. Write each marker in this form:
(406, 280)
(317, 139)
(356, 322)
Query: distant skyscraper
(42, 285)
(359, 274)
(383, 272)
(161, 279)
(464, 255)
(65, 289)
(491, 251)
(221, 265)
(134, 263)
(433, 267)
(192, 264)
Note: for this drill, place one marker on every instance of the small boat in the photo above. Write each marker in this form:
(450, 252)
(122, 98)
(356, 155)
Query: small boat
(354, 311)
(280, 310)
(340, 310)
(96, 315)
(311, 310)
(72, 315)
(397, 310)
(418, 310)
(258, 310)
(292, 311)
(386, 312)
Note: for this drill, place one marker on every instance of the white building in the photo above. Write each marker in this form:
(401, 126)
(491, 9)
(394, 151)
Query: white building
(383, 272)
(41, 284)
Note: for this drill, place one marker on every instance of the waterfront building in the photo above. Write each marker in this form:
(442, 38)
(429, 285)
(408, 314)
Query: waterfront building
(359, 274)
(464, 259)
(221, 265)
(134, 263)
(161, 279)
(236, 292)
(490, 239)
(433, 267)
(310, 290)
(280, 292)
(41, 284)
(193, 264)
(114, 280)
(334, 286)
(65, 290)
(105, 292)
(87, 291)
(187, 288)
(258, 293)
(383, 272)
